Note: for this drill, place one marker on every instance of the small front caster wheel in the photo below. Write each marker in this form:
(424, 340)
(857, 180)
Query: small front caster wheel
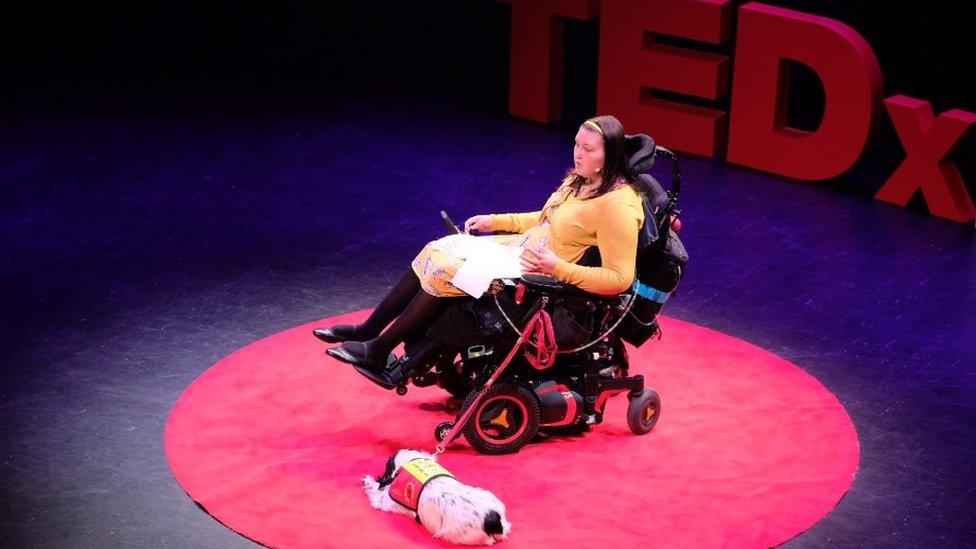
(401, 390)
(442, 430)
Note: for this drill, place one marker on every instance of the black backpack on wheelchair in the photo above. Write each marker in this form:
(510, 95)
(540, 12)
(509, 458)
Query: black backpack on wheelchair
(473, 339)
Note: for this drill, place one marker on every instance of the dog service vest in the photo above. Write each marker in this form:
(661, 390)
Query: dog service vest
(411, 479)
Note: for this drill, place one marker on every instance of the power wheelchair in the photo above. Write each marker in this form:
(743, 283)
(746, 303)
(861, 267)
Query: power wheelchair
(471, 350)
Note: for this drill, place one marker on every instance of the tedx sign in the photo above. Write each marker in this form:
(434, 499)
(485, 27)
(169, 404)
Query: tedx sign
(753, 132)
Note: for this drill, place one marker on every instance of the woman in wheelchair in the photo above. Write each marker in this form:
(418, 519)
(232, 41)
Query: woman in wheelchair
(597, 204)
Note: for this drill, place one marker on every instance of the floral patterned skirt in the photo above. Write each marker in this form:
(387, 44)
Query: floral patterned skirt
(435, 268)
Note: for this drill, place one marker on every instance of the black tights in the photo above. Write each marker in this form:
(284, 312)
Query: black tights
(389, 308)
(412, 307)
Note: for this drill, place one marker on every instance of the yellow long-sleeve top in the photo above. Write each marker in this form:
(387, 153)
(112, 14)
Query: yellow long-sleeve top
(611, 222)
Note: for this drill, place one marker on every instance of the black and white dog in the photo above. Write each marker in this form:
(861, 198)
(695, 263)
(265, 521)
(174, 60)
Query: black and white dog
(415, 484)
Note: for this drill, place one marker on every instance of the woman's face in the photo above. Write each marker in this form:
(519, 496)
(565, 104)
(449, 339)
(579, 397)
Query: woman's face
(588, 153)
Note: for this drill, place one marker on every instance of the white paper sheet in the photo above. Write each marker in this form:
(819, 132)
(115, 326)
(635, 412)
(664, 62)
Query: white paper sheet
(484, 260)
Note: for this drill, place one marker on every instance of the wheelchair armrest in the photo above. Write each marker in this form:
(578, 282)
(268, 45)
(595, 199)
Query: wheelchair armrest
(549, 285)
(543, 282)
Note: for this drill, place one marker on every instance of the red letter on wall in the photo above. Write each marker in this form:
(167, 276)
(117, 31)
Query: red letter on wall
(632, 64)
(929, 142)
(535, 89)
(758, 137)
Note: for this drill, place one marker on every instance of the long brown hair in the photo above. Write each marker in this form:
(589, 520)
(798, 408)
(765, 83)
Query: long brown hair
(615, 164)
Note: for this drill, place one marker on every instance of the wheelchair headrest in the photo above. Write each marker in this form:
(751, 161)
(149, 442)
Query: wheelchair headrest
(640, 152)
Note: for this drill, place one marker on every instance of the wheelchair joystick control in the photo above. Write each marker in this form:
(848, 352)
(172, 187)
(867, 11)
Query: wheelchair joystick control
(451, 227)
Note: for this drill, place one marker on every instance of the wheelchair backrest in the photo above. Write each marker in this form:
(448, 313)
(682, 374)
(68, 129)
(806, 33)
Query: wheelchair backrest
(661, 256)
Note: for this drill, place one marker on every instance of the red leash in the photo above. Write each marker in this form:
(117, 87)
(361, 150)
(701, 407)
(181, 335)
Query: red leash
(544, 337)
(539, 333)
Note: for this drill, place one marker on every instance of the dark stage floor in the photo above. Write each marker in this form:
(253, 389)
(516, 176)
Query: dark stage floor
(143, 242)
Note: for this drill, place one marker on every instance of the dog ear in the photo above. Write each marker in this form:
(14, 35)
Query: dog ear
(387, 477)
(492, 524)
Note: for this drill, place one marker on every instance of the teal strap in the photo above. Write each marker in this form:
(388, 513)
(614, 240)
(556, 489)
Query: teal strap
(650, 293)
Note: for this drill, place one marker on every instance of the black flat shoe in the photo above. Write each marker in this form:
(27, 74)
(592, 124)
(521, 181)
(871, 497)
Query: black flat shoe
(355, 353)
(371, 369)
(335, 334)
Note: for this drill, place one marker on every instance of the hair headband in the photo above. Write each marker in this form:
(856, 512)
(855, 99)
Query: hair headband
(594, 125)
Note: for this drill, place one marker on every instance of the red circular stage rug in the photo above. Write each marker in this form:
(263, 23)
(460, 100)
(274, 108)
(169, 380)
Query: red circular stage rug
(750, 451)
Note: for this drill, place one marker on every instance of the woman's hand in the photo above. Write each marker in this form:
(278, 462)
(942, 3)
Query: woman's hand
(538, 260)
(480, 223)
